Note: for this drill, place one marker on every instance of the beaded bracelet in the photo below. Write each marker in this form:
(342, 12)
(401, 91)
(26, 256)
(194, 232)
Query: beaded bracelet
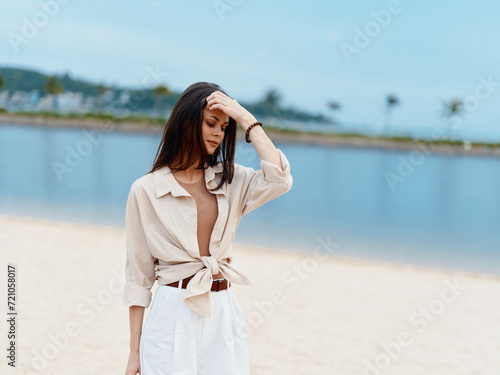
(247, 138)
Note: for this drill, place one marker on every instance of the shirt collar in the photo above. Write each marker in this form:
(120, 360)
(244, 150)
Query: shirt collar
(165, 181)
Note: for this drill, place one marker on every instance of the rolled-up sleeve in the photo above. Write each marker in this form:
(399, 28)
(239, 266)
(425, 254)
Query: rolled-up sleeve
(140, 264)
(266, 184)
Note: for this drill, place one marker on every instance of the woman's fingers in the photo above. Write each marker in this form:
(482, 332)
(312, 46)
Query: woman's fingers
(220, 106)
(218, 100)
(218, 95)
(211, 103)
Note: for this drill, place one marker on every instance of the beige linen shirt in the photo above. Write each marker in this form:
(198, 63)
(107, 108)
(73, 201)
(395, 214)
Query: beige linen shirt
(161, 230)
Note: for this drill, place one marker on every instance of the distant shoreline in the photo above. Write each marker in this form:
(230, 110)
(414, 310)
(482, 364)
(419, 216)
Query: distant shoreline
(275, 134)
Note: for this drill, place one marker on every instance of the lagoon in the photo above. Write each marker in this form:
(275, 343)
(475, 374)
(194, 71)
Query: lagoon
(444, 213)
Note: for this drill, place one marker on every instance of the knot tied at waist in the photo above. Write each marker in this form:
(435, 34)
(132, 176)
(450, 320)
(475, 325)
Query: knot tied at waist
(212, 264)
(197, 296)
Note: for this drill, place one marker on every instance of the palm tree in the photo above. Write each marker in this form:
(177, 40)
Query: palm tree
(53, 87)
(159, 92)
(101, 90)
(334, 106)
(391, 101)
(452, 111)
(272, 97)
(271, 101)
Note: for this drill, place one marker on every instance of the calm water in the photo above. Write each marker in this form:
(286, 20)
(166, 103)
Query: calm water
(444, 213)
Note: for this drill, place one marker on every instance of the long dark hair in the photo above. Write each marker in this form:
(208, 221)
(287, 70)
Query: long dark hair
(182, 139)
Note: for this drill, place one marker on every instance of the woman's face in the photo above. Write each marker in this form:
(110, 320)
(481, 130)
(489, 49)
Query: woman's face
(212, 128)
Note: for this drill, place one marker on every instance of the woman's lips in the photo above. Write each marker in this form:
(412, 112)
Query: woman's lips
(213, 143)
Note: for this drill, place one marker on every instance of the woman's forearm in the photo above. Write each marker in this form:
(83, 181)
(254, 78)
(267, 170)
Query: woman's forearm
(262, 143)
(136, 316)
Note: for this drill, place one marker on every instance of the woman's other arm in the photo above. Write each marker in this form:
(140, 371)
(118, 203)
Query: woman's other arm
(136, 316)
(139, 272)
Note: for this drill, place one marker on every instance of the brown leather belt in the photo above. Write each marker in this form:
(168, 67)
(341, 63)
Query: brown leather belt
(217, 285)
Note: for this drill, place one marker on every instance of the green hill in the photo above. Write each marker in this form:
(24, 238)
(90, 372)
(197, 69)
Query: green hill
(18, 79)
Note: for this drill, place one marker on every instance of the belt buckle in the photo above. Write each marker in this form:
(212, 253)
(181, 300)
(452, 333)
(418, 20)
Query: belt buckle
(218, 284)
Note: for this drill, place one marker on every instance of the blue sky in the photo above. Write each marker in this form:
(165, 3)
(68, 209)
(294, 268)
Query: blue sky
(428, 51)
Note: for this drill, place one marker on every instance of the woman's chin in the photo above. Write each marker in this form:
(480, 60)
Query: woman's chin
(210, 148)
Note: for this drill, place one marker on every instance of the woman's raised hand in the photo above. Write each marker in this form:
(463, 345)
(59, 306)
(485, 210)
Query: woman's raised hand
(219, 100)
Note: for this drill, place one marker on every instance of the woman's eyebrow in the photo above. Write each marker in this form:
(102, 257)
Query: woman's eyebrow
(227, 122)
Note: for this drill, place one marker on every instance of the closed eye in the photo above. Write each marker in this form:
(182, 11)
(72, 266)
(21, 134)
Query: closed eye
(212, 125)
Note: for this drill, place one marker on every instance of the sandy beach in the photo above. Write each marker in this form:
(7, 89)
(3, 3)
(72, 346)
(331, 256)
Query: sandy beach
(307, 313)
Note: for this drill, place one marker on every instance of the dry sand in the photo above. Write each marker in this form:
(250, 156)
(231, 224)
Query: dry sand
(330, 315)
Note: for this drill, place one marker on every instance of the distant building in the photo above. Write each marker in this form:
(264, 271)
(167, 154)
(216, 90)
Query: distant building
(20, 100)
(90, 103)
(70, 102)
(34, 98)
(45, 103)
(4, 97)
(124, 98)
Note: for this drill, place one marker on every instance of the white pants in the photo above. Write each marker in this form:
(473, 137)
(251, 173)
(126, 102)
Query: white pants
(177, 340)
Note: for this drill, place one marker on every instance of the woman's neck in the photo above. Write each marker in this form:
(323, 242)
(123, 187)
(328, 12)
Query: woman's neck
(189, 175)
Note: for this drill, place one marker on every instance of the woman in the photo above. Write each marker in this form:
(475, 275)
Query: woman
(180, 223)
